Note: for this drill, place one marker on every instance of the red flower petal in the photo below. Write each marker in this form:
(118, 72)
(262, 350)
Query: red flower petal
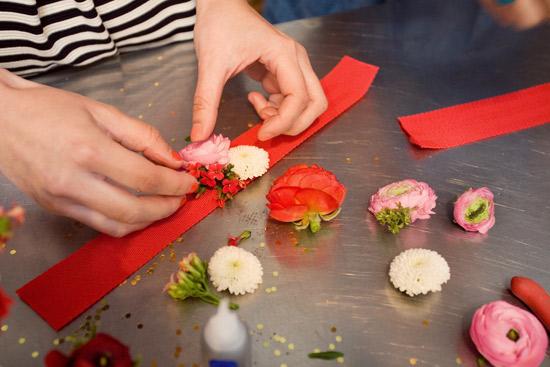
(5, 303)
(317, 201)
(103, 345)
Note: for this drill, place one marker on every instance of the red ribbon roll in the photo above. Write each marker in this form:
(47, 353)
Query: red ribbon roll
(70, 287)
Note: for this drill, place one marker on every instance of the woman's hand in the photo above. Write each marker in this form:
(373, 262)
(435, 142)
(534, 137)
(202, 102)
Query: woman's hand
(519, 14)
(76, 157)
(231, 37)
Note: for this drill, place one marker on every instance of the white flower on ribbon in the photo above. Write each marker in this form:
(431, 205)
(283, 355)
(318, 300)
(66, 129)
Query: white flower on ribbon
(248, 161)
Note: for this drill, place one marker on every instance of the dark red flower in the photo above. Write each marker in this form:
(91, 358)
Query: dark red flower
(5, 303)
(306, 195)
(101, 351)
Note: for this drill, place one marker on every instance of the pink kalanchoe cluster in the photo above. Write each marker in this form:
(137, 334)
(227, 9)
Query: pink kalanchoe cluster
(475, 210)
(508, 336)
(401, 203)
(212, 151)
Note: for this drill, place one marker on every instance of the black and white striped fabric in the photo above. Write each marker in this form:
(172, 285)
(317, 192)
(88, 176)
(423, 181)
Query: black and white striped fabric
(38, 35)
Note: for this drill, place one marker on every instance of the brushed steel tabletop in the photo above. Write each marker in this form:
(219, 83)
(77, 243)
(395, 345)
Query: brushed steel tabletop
(331, 288)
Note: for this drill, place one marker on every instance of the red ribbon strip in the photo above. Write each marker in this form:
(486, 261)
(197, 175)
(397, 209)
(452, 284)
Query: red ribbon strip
(486, 118)
(73, 285)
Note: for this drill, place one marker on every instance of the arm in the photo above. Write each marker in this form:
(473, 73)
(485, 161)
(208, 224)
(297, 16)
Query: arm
(76, 157)
(231, 37)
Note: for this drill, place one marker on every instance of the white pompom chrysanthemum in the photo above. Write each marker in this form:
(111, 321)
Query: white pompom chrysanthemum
(419, 271)
(248, 161)
(235, 269)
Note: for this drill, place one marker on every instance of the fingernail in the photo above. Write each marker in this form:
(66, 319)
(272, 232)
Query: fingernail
(183, 201)
(505, 2)
(176, 156)
(194, 187)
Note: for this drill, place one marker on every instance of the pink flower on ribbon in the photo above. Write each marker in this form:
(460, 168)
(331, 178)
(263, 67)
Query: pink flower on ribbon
(475, 210)
(508, 336)
(417, 196)
(211, 151)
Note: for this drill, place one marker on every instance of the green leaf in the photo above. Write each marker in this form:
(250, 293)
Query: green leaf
(482, 362)
(394, 219)
(327, 356)
(5, 225)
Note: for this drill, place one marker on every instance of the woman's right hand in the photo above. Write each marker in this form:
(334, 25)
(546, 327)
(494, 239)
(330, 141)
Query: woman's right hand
(519, 14)
(78, 158)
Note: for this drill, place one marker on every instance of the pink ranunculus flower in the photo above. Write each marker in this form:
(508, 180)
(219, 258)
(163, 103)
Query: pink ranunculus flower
(475, 210)
(211, 151)
(508, 336)
(401, 203)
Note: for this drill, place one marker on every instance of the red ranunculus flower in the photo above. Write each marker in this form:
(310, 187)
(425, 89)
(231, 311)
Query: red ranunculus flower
(102, 350)
(5, 303)
(306, 196)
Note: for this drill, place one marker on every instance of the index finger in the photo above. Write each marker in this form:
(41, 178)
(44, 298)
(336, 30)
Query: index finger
(293, 88)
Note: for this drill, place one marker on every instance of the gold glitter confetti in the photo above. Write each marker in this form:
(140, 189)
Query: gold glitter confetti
(316, 350)
(173, 140)
(260, 326)
(56, 341)
(2, 245)
(196, 327)
(262, 244)
(177, 352)
(149, 104)
(156, 84)
(331, 346)
(283, 365)
(268, 290)
(121, 90)
(181, 365)
(140, 117)
(348, 159)
(425, 322)
(458, 360)
(250, 124)
(178, 332)
(13, 251)
(265, 344)
(22, 340)
(412, 361)
(275, 273)
(276, 352)
(4, 328)
(154, 363)
(338, 339)
(35, 354)
(291, 346)
(340, 360)
(159, 58)
(333, 329)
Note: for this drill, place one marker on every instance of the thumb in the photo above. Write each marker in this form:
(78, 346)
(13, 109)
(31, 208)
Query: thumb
(136, 135)
(210, 83)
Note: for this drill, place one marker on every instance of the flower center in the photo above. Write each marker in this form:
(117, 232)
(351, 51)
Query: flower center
(398, 190)
(236, 264)
(513, 335)
(478, 211)
(104, 360)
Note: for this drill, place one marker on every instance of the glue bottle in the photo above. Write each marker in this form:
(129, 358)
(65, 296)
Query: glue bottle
(225, 340)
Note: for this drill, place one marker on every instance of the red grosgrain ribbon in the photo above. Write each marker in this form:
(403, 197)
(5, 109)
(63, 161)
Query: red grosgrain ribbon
(73, 285)
(486, 118)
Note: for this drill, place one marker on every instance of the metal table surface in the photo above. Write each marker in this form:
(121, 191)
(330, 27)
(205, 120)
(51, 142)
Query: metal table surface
(432, 54)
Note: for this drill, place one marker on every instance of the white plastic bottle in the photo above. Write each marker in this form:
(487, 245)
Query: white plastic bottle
(225, 340)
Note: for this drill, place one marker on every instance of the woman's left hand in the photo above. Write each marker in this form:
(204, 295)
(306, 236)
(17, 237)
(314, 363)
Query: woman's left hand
(231, 37)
